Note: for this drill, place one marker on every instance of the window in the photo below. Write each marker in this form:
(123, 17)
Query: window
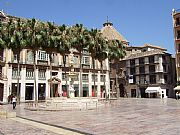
(54, 73)
(151, 59)
(178, 47)
(103, 78)
(177, 22)
(85, 60)
(132, 62)
(152, 69)
(164, 68)
(85, 77)
(64, 76)
(178, 34)
(141, 70)
(30, 56)
(29, 73)
(42, 55)
(152, 79)
(94, 77)
(76, 60)
(132, 70)
(42, 74)
(165, 78)
(142, 80)
(15, 73)
(141, 60)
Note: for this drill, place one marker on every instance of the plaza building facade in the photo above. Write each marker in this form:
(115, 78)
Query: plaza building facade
(150, 72)
(176, 28)
(60, 79)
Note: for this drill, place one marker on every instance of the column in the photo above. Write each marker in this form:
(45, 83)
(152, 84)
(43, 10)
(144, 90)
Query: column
(23, 84)
(47, 83)
(90, 84)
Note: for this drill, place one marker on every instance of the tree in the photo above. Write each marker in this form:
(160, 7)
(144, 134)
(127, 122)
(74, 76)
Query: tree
(13, 37)
(34, 42)
(101, 55)
(64, 45)
(80, 41)
(116, 52)
(96, 37)
(49, 45)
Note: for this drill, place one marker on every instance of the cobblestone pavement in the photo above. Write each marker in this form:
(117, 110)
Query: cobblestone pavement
(121, 117)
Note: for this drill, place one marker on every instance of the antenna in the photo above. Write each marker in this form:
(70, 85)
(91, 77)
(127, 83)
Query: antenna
(107, 19)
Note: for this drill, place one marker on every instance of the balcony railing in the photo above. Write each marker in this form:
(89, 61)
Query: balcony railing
(2, 76)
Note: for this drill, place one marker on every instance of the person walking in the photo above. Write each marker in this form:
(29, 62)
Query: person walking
(177, 95)
(14, 102)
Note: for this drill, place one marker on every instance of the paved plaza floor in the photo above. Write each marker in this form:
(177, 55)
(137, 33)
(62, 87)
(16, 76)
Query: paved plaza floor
(126, 116)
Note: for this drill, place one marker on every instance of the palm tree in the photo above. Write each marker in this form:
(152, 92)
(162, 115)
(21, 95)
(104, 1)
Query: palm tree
(50, 45)
(96, 37)
(13, 37)
(101, 55)
(64, 45)
(18, 43)
(34, 42)
(80, 41)
(116, 52)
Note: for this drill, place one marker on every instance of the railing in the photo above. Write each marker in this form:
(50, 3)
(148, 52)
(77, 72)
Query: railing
(2, 76)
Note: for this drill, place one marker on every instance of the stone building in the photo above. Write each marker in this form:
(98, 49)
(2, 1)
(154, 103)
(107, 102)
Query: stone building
(151, 72)
(176, 28)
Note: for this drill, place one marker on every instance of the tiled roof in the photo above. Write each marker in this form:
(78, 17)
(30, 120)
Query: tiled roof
(153, 46)
(143, 54)
(111, 33)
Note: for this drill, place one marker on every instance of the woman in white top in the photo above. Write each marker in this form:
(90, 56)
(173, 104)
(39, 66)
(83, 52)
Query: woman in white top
(14, 102)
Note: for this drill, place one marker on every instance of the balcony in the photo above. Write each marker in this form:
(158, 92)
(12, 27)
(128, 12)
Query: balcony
(2, 76)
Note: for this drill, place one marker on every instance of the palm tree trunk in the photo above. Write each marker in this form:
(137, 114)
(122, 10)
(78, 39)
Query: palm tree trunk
(51, 86)
(104, 80)
(35, 89)
(18, 75)
(80, 77)
(64, 62)
(117, 83)
(94, 74)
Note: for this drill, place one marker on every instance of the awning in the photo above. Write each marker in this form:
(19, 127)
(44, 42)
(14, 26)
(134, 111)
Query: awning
(177, 88)
(153, 89)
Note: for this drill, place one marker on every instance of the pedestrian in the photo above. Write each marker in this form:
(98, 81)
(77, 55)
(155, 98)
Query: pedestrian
(177, 95)
(14, 102)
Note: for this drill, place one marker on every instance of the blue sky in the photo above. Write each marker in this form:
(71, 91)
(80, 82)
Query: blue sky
(139, 21)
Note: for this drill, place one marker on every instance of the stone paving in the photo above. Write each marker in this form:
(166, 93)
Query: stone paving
(126, 116)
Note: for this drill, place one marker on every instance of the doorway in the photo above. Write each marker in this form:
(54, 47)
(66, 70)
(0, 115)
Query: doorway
(94, 91)
(122, 91)
(54, 92)
(29, 91)
(143, 94)
(1, 91)
(133, 92)
(14, 89)
(41, 91)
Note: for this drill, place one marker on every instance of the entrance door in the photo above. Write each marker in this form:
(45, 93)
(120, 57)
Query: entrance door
(14, 88)
(54, 91)
(29, 91)
(1, 91)
(121, 88)
(133, 92)
(41, 91)
(94, 91)
(143, 94)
